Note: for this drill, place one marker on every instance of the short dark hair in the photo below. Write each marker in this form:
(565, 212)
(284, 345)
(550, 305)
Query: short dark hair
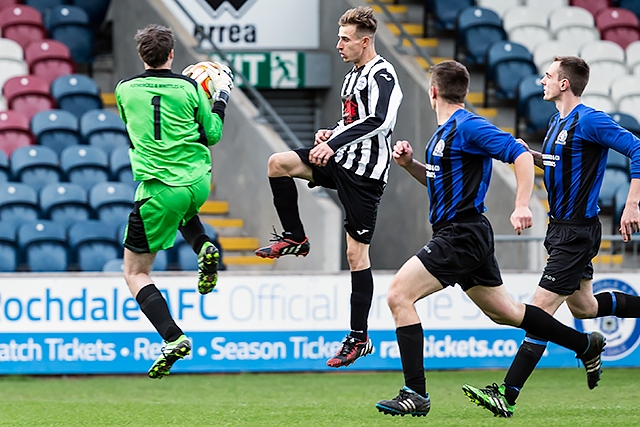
(155, 42)
(451, 79)
(574, 69)
(364, 20)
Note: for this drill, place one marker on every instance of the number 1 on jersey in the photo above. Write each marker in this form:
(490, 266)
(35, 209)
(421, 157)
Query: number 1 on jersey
(155, 101)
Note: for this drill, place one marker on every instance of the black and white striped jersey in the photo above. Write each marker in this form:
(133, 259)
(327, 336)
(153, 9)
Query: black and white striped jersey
(371, 97)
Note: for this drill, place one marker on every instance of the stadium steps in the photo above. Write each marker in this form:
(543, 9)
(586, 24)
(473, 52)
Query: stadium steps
(238, 249)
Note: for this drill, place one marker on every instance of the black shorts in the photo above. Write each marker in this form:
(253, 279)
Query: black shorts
(461, 251)
(360, 196)
(571, 246)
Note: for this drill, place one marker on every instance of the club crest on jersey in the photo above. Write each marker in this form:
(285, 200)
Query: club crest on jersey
(361, 83)
(562, 137)
(439, 149)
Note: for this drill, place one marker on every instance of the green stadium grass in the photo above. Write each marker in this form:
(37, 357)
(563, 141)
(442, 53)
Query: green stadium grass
(345, 398)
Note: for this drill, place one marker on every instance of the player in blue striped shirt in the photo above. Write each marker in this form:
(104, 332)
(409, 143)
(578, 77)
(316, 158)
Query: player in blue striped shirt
(461, 251)
(574, 156)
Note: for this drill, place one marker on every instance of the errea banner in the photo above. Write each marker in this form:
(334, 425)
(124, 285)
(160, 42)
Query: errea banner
(86, 324)
(252, 24)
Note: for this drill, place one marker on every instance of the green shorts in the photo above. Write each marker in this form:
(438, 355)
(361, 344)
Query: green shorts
(158, 212)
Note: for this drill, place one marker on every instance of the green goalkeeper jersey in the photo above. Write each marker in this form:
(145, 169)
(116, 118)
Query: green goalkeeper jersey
(170, 125)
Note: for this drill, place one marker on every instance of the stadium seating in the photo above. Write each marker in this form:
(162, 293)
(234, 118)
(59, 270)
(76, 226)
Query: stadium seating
(531, 107)
(599, 102)
(547, 4)
(625, 92)
(527, 26)
(626, 121)
(507, 63)
(160, 262)
(619, 161)
(36, 166)
(613, 178)
(593, 6)
(104, 129)
(5, 172)
(115, 265)
(85, 165)
(446, 11)
(44, 6)
(606, 61)
(71, 26)
(56, 129)
(120, 166)
(545, 52)
(14, 131)
(8, 248)
(499, 6)
(5, 3)
(43, 245)
(619, 202)
(93, 244)
(182, 257)
(49, 59)
(476, 29)
(112, 201)
(632, 56)
(76, 93)
(12, 62)
(572, 25)
(64, 203)
(18, 202)
(618, 25)
(28, 95)
(95, 9)
(22, 24)
(632, 5)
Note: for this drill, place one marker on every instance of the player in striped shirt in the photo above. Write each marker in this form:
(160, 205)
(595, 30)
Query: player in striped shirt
(352, 157)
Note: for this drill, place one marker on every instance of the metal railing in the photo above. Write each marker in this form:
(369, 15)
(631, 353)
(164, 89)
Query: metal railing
(266, 113)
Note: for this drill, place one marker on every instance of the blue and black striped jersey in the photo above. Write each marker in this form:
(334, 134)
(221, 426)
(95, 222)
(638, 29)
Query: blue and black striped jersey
(458, 161)
(574, 155)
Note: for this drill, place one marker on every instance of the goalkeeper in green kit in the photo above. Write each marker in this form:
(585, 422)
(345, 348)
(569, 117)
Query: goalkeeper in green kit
(171, 123)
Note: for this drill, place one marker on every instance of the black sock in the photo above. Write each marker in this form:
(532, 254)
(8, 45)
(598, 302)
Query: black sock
(411, 343)
(194, 233)
(618, 304)
(361, 295)
(154, 306)
(285, 200)
(538, 322)
(528, 356)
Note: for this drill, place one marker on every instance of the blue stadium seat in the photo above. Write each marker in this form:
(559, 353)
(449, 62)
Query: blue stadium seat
(85, 165)
(56, 129)
(95, 9)
(76, 93)
(36, 166)
(112, 202)
(476, 29)
(507, 63)
(446, 11)
(531, 107)
(120, 166)
(115, 265)
(5, 172)
(619, 161)
(613, 178)
(64, 203)
(627, 121)
(44, 245)
(18, 202)
(71, 26)
(104, 129)
(8, 247)
(44, 6)
(619, 202)
(93, 244)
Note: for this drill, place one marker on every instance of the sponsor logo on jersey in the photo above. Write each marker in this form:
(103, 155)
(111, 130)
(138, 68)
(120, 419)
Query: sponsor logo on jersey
(349, 109)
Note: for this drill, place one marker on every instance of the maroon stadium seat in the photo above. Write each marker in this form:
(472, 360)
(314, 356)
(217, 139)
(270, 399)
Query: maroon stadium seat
(593, 6)
(14, 131)
(49, 59)
(618, 25)
(28, 95)
(22, 24)
(6, 3)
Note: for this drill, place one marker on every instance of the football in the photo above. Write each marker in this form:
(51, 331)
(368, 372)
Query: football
(200, 74)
